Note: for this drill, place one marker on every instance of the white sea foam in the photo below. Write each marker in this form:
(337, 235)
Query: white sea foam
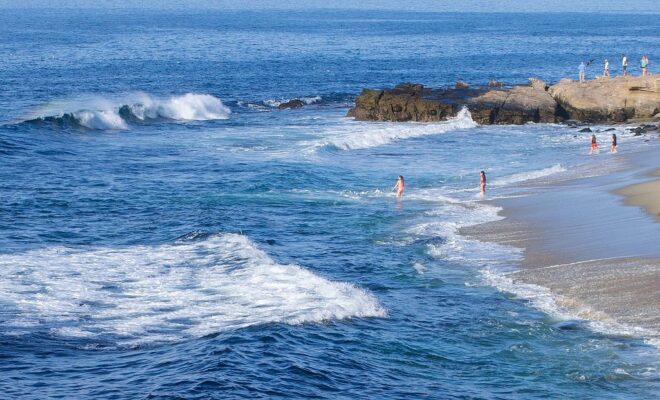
(447, 221)
(101, 119)
(359, 135)
(168, 292)
(111, 113)
(528, 175)
(188, 107)
(562, 308)
(307, 100)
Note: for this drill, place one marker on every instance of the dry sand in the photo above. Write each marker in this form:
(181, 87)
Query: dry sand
(645, 195)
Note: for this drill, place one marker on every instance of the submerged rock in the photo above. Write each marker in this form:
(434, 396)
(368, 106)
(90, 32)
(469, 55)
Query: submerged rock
(607, 100)
(585, 130)
(295, 103)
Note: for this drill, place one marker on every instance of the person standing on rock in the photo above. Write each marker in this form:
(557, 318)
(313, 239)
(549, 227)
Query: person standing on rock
(624, 64)
(582, 69)
(644, 64)
(606, 70)
(613, 146)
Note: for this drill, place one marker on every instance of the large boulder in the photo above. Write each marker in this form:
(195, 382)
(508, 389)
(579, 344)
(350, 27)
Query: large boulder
(609, 100)
(403, 103)
(519, 105)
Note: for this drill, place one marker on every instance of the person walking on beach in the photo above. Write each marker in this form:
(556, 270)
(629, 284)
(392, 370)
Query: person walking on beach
(482, 181)
(594, 145)
(582, 68)
(606, 70)
(399, 186)
(624, 64)
(644, 64)
(613, 146)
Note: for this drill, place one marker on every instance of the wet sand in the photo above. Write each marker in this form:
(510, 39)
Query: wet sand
(599, 256)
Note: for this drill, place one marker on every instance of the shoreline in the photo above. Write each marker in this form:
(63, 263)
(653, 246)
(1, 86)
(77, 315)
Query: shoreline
(592, 242)
(645, 195)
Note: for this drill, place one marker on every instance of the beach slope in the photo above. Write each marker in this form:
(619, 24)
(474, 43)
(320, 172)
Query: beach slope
(599, 257)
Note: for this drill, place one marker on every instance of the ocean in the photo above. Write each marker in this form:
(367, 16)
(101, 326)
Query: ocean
(167, 232)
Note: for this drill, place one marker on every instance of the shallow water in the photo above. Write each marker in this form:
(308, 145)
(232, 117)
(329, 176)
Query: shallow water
(199, 243)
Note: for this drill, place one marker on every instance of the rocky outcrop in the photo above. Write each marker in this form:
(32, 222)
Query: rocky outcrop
(409, 102)
(518, 105)
(611, 100)
(295, 103)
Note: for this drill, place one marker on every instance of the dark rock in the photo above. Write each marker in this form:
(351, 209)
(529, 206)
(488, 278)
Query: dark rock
(405, 102)
(608, 130)
(649, 127)
(585, 130)
(517, 105)
(295, 103)
(638, 131)
(494, 83)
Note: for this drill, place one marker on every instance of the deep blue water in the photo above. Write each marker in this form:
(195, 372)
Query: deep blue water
(203, 244)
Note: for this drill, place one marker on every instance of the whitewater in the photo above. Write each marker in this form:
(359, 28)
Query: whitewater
(117, 112)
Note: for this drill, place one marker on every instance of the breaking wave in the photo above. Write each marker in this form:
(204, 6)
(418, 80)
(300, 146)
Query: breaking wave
(195, 287)
(378, 134)
(116, 114)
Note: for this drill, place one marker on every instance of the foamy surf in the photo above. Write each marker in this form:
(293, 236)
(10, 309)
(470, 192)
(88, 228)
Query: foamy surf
(274, 103)
(447, 221)
(528, 175)
(108, 113)
(566, 309)
(169, 292)
(360, 135)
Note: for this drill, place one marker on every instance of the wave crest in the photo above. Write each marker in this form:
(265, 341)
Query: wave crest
(115, 114)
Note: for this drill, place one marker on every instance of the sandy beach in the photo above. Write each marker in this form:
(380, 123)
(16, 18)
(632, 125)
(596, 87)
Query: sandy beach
(645, 195)
(591, 240)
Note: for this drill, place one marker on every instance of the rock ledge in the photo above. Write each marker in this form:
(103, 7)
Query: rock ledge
(601, 100)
